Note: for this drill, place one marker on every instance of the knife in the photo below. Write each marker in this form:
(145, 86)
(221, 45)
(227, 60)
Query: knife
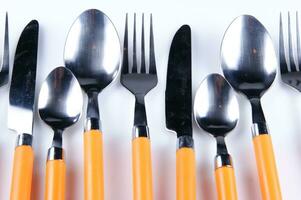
(178, 111)
(20, 110)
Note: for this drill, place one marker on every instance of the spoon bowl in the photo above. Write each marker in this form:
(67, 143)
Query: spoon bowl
(60, 100)
(92, 50)
(215, 106)
(248, 57)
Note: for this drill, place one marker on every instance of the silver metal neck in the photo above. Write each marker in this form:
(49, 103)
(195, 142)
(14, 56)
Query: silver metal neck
(223, 161)
(55, 153)
(92, 124)
(185, 142)
(24, 139)
(259, 129)
(140, 131)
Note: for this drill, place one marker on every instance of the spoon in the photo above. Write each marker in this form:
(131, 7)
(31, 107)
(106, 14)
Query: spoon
(60, 104)
(249, 64)
(216, 111)
(93, 53)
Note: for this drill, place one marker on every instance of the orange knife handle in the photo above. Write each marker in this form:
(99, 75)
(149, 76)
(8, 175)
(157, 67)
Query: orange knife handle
(186, 174)
(225, 183)
(266, 165)
(93, 165)
(55, 180)
(142, 169)
(22, 173)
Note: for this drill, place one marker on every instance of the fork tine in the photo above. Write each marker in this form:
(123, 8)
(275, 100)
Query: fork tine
(134, 69)
(282, 57)
(125, 59)
(5, 57)
(152, 59)
(298, 39)
(290, 46)
(143, 68)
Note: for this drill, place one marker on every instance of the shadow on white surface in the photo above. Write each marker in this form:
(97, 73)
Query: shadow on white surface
(206, 187)
(164, 172)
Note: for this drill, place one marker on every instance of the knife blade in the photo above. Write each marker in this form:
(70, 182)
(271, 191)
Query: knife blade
(178, 100)
(20, 110)
(22, 88)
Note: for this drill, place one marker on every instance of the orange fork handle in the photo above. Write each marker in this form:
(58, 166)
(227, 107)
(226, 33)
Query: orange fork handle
(186, 174)
(225, 183)
(266, 165)
(142, 169)
(22, 173)
(55, 180)
(93, 165)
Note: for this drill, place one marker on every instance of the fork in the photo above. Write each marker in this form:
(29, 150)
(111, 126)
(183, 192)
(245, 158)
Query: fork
(5, 57)
(139, 82)
(289, 68)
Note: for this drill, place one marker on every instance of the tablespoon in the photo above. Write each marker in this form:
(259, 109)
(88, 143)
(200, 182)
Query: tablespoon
(216, 111)
(93, 54)
(249, 63)
(60, 104)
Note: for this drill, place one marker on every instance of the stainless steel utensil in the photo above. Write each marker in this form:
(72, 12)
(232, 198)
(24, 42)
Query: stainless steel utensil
(5, 56)
(20, 110)
(216, 111)
(249, 64)
(60, 104)
(92, 53)
(178, 111)
(139, 81)
(289, 68)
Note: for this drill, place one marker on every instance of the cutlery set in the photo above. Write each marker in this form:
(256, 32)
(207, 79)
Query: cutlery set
(5, 58)
(93, 56)
(92, 53)
(178, 110)
(249, 64)
(216, 111)
(290, 74)
(20, 109)
(56, 109)
(139, 81)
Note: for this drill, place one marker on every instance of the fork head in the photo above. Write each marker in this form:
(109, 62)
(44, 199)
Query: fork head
(290, 62)
(138, 80)
(5, 57)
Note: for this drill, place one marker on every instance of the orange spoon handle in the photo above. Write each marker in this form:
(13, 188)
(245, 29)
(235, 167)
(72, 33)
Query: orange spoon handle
(55, 180)
(93, 165)
(22, 173)
(186, 174)
(225, 183)
(142, 169)
(266, 165)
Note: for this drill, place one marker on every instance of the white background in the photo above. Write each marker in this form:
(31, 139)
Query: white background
(208, 20)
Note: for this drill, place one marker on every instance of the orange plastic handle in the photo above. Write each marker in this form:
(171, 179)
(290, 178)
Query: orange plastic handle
(22, 173)
(55, 180)
(186, 174)
(266, 165)
(225, 183)
(142, 169)
(93, 166)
